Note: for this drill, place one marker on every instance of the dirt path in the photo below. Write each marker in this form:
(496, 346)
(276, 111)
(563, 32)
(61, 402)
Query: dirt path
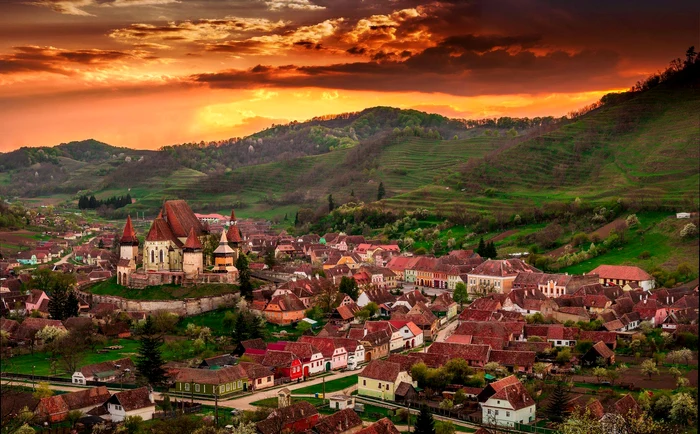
(503, 235)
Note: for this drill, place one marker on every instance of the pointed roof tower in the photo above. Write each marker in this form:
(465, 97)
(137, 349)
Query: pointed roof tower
(192, 244)
(223, 248)
(160, 231)
(129, 234)
(234, 234)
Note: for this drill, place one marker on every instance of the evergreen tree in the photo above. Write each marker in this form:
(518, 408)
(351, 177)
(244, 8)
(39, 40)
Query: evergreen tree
(491, 250)
(101, 244)
(481, 249)
(270, 260)
(352, 193)
(93, 202)
(72, 306)
(331, 204)
(149, 361)
(380, 191)
(57, 304)
(245, 286)
(558, 408)
(424, 423)
(348, 286)
(296, 219)
(285, 217)
(460, 294)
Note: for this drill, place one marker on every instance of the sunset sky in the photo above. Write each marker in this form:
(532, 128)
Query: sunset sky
(148, 73)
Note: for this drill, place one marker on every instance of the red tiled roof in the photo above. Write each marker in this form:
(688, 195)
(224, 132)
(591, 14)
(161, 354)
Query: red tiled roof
(382, 426)
(627, 406)
(516, 395)
(53, 405)
(181, 218)
(160, 231)
(602, 350)
(86, 398)
(129, 234)
(381, 370)
(226, 374)
(278, 359)
(513, 358)
(133, 399)
(192, 242)
(287, 303)
(281, 418)
(503, 268)
(624, 272)
(478, 353)
(339, 422)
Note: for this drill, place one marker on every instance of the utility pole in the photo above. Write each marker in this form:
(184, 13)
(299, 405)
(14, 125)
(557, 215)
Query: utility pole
(216, 405)
(33, 384)
(192, 391)
(324, 389)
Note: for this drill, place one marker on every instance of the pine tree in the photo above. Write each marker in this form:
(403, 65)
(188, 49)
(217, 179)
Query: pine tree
(491, 250)
(296, 219)
(57, 304)
(149, 361)
(424, 423)
(285, 217)
(245, 286)
(72, 306)
(352, 193)
(481, 249)
(558, 408)
(380, 191)
(331, 204)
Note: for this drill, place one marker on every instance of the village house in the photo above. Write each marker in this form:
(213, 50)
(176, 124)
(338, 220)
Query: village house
(411, 334)
(553, 285)
(474, 355)
(284, 364)
(296, 418)
(110, 371)
(284, 309)
(259, 376)
(335, 356)
(210, 382)
(135, 402)
(497, 275)
(510, 404)
(311, 358)
(598, 353)
(379, 296)
(55, 408)
(380, 379)
(344, 421)
(622, 275)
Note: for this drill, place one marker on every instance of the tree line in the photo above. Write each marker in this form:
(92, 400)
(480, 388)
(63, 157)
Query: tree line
(85, 202)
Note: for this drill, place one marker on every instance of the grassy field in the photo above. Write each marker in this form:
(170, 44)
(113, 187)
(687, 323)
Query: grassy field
(661, 238)
(213, 320)
(23, 364)
(163, 292)
(331, 386)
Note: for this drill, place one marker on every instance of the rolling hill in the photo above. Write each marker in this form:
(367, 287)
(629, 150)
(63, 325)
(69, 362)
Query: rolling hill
(640, 146)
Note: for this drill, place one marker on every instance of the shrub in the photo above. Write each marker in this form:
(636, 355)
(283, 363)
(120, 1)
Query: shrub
(644, 255)
(689, 231)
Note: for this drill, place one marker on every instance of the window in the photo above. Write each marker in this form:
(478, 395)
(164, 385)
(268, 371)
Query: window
(379, 385)
(488, 411)
(364, 382)
(187, 386)
(259, 381)
(495, 412)
(507, 414)
(269, 378)
(228, 386)
(153, 256)
(196, 387)
(222, 389)
(239, 384)
(387, 387)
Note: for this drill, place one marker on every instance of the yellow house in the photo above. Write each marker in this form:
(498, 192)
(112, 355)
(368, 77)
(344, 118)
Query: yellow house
(380, 379)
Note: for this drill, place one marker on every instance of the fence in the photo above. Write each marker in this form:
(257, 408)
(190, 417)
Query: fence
(172, 414)
(68, 381)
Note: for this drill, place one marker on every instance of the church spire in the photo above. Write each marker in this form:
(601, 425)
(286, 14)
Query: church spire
(129, 234)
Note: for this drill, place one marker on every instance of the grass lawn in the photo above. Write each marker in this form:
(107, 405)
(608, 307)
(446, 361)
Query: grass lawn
(661, 238)
(331, 386)
(162, 292)
(213, 320)
(23, 364)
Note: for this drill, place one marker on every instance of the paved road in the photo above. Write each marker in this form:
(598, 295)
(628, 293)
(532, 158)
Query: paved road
(241, 403)
(407, 287)
(444, 333)
(64, 259)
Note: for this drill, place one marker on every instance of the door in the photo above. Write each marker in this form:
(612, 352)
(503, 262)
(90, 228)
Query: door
(306, 371)
(328, 366)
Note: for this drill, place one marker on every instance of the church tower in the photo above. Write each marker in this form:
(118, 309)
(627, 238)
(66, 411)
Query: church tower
(128, 253)
(224, 256)
(193, 259)
(234, 236)
(129, 244)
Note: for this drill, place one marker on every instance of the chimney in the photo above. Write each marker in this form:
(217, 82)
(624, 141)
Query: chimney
(645, 301)
(671, 299)
(667, 299)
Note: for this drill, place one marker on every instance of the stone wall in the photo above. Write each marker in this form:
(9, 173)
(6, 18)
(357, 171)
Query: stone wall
(185, 307)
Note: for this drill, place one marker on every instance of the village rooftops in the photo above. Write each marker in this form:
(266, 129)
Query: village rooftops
(381, 370)
(503, 268)
(211, 376)
(622, 272)
(181, 218)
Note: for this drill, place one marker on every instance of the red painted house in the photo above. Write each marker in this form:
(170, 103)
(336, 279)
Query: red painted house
(284, 363)
(296, 418)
